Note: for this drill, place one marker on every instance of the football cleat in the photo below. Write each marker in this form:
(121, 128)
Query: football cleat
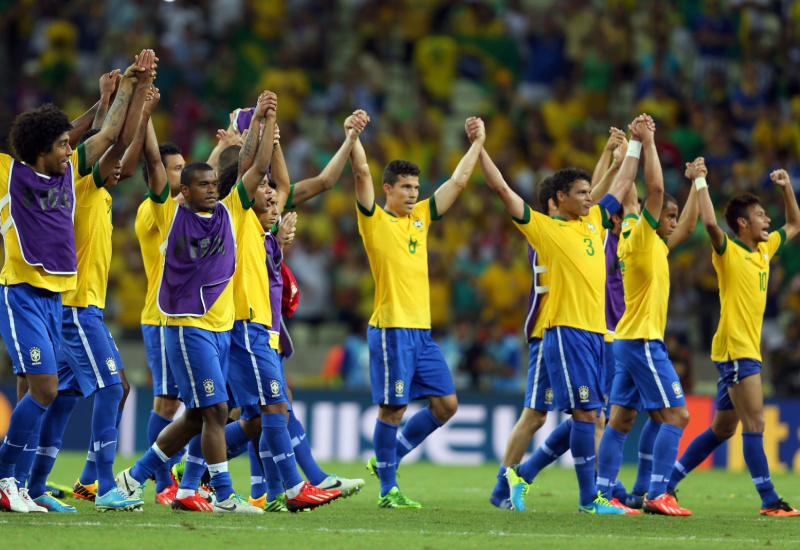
(780, 509)
(32, 505)
(628, 511)
(10, 499)
(194, 503)
(130, 486)
(52, 504)
(167, 495)
(518, 487)
(59, 491)
(502, 503)
(601, 506)
(279, 504)
(236, 504)
(177, 471)
(84, 492)
(117, 500)
(346, 486)
(636, 501)
(259, 502)
(372, 468)
(310, 497)
(396, 499)
(665, 505)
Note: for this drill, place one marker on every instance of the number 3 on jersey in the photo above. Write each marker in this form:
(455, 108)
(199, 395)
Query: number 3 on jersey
(589, 247)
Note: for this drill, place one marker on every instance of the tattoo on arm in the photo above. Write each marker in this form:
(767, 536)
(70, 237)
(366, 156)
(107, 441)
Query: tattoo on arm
(248, 152)
(100, 115)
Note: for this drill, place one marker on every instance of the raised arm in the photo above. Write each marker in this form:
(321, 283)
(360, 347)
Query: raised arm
(131, 157)
(494, 179)
(630, 164)
(653, 177)
(449, 190)
(365, 190)
(688, 219)
(267, 107)
(280, 172)
(225, 138)
(615, 139)
(156, 172)
(792, 226)
(248, 151)
(109, 83)
(601, 188)
(141, 70)
(630, 204)
(707, 214)
(311, 187)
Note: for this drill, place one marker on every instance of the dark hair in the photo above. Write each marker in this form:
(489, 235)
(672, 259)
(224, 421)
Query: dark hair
(670, 199)
(397, 168)
(164, 149)
(34, 131)
(226, 178)
(545, 192)
(228, 156)
(564, 179)
(188, 173)
(86, 135)
(739, 207)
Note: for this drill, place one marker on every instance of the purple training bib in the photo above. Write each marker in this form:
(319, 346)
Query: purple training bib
(615, 294)
(199, 261)
(42, 211)
(274, 260)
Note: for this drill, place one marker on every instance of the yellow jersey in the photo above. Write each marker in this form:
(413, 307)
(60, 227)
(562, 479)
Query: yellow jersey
(219, 318)
(575, 259)
(147, 233)
(92, 242)
(645, 277)
(15, 270)
(250, 280)
(536, 321)
(743, 275)
(398, 257)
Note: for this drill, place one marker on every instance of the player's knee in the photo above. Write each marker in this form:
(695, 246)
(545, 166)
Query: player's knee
(678, 417)
(252, 427)
(754, 424)
(445, 408)
(216, 414)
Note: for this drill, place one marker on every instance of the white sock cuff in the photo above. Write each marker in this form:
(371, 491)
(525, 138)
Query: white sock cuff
(159, 452)
(219, 468)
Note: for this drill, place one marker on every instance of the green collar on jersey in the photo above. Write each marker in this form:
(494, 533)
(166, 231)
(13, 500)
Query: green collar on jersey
(740, 243)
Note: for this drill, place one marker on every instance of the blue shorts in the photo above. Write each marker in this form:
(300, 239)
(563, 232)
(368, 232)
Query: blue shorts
(608, 377)
(645, 366)
(574, 360)
(538, 391)
(730, 373)
(30, 324)
(88, 358)
(155, 346)
(199, 362)
(406, 364)
(255, 376)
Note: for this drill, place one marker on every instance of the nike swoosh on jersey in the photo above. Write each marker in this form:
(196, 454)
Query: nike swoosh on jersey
(563, 225)
(393, 221)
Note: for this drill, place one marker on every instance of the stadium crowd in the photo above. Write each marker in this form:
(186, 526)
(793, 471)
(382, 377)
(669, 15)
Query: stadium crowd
(548, 77)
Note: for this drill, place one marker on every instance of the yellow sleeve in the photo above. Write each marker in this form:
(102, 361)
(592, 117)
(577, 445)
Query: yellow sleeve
(238, 203)
(598, 216)
(78, 159)
(775, 242)
(426, 210)
(534, 226)
(5, 163)
(643, 234)
(368, 219)
(163, 212)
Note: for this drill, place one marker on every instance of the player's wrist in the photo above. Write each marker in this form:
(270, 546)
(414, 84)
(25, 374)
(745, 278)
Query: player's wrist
(634, 148)
(700, 183)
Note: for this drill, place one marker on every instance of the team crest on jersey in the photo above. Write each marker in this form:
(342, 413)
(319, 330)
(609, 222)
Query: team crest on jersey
(112, 365)
(583, 393)
(208, 385)
(274, 387)
(590, 226)
(36, 355)
(765, 256)
(399, 386)
(548, 396)
(676, 387)
(418, 223)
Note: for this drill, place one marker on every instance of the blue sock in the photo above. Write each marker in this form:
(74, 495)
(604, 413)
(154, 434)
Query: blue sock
(274, 429)
(581, 441)
(258, 481)
(647, 441)
(20, 427)
(236, 439)
(556, 444)
(302, 450)
(271, 473)
(195, 465)
(665, 451)
(609, 460)
(118, 420)
(54, 422)
(89, 474)
(418, 427)
(501, 490)
(384, 440)
(148, 464)
(697, 451)
(154, 427)
(22, 470)
(619, 492)
(756, 460)
(104, 434)
(221, 480)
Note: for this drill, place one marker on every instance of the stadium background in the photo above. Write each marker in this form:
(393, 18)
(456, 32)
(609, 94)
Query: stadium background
(549, 77)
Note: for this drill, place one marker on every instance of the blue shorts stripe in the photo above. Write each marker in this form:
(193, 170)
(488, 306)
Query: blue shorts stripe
(164, 367)
(254, 363)
(195, 400)
(87, 348)
(650, 364)
(14, 330)
(385, 368)
(565, 369)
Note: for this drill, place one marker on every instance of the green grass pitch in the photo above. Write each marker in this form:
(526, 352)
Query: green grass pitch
(456, 515)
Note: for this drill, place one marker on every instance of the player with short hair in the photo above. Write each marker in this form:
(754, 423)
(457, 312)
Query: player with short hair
(405, 363)
(571, 248)
(196, 296)
(644, 378)
(742, 266)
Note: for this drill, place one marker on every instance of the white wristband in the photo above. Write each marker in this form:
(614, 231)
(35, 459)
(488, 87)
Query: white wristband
(699, 183)
(634, 149)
